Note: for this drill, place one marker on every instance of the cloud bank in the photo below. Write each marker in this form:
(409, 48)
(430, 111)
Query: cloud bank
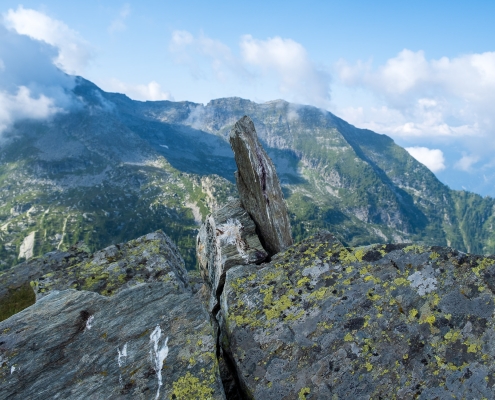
(31, 86)
(256, 62)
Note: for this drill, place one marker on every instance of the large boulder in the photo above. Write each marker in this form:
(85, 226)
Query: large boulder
(259, 188)
(148, 337)
(227, 238)
(387, 321)
(151, 341)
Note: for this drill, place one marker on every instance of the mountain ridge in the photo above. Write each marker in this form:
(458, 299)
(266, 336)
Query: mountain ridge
(113, 168)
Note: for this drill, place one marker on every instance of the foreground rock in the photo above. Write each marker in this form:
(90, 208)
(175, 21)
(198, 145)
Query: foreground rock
(393, 321)
(227, 238)
(148, 337)
(259, 187)
(149, 341)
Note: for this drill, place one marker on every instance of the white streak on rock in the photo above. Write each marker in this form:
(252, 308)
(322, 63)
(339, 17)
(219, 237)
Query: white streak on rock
(230, 233)
(158, 355)
(122, 355)
(12, 369)
(89, 322)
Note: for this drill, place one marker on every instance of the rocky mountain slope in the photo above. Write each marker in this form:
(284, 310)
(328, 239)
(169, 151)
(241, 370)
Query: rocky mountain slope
(315, 321)
(111, 169)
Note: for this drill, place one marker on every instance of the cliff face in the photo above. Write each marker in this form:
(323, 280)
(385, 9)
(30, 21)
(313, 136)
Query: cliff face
(317, 320)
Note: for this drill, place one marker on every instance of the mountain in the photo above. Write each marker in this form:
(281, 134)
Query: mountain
(111, 169)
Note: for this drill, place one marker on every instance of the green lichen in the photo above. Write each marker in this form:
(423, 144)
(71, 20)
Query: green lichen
(190, 387)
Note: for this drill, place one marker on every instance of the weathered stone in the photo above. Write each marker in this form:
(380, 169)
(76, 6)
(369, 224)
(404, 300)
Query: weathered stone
(151, 341)
(227, 238)
(387, 321)
(259, 187)
(150, 258)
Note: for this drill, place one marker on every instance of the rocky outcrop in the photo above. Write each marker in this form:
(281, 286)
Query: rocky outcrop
(148, 337)
(151, 341)
(227, 238)
(322, 321)
(150, 258)
(259, 187)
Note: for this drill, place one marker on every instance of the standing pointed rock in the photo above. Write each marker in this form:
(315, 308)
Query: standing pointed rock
(259, 187)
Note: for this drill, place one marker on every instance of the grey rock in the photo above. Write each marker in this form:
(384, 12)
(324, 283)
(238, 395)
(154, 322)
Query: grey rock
(81, 345)
(259, 187)
(149, 258)
(227, 238)
(322, 321)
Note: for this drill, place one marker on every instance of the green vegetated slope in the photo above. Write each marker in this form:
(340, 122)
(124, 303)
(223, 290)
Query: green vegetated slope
(112, 169)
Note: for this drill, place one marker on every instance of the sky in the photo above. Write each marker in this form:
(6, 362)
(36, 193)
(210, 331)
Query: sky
(421, 72)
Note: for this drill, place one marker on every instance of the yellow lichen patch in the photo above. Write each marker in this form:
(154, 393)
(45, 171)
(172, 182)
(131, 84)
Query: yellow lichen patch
(301, 282)
(368, 366)
(278, 307)
(484, 263)
(348, 338)
(452, 335)
(401, 281)
(417, 249)
(372, 278)
(364, 270)
(190, 387)
(319, 294)
(412, 314)
(303, 392)
(434, 255)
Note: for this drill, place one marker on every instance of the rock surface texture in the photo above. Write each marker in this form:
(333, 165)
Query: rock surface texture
(150, 258)
(259, 187)
(227, 238)
(322, 321)
(149, 338)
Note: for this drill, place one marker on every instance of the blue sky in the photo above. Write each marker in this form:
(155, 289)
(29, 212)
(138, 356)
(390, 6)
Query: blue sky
(420, 72)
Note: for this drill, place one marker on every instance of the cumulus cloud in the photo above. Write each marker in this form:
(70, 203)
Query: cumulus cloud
(432, 158)
(118, 24)
(279, 60)
(31, 86)
(289, 61)
(150, 91)
(74, 53)
(444, 97)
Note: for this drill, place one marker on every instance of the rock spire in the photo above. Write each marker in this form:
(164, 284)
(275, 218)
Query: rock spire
(259, 188)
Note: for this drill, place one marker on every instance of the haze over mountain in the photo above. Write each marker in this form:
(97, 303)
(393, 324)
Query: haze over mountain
(110, 169)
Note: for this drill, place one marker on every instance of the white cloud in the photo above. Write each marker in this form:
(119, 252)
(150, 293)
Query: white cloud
(466, 162)
(431, 98)
(23, 105)
(151, 91)
(118, 24)
(31, 86)
(289, 62)
(432, 158)
(283, 61)
(74, 53)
